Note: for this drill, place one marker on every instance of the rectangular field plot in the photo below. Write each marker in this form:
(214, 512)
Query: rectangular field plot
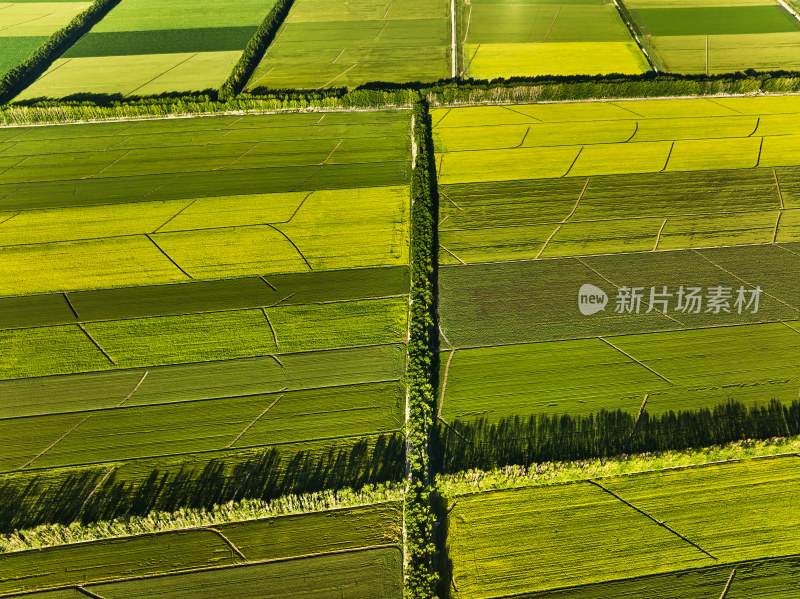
(153, 202)
(665, 534)
(324, 45)
(25, 26)
(144, 47)
(360, 542)
(512, 38)
(717, 38)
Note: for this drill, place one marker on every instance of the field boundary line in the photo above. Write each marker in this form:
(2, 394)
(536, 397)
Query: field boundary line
(175, 66)
(464, 70)
(758, 122)
(337, 76)
(728, 584)
(233, 547)
(135, 389)
(52, 445)
(550, 29)
(790, 9)
(790, 327)
(444, 383)
(452, 254)
(294, 245)
(94, 490)
(88, 593)
(441, 222)
(578, 155)
(337, 57)
(622, 351)
(658, 237)
(272, 328)
(5, 220)
(385, 25)
(659, 522)
(328, 157)
(612, 283)
(778, 185)
(108, 166)
(786, 249)
(263, 278)
(738, 278)
(614, 103)
(167, 256)
(777, 224)
(441, 332)
(547, 241)
(259, 417)
(448, 425)
(12, 167)
(235, 160)
(174, 216)
(575, 207)
(95, 343)
(452, 39)
(519, 145)
(122, 141)
(669, 155)
(466, 31)
(512, 109)
(252, 85)
(460, 209)
(635, 423)
(635, 131)
(69, 303)
(383, 18)
(760, 148)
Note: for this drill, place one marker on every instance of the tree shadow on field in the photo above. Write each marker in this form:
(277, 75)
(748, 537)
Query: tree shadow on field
(99, 493)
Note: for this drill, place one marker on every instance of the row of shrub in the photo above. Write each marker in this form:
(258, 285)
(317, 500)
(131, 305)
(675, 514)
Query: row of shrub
(255, 49)
(479, 443)
(419, 517)
(89, 107)
(25, 73)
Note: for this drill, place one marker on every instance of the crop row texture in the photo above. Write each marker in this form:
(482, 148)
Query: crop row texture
(25, 73)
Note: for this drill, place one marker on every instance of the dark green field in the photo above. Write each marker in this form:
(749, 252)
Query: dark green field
(164, 41)
(719, 20)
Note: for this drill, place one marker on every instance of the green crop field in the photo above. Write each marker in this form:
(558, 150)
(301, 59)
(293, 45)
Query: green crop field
(561, 534)
(512, 38)
(224, 307)
(147, 47)
(640, 197)
(704, 37)
(359, 542)
(327, 45)
(27, 25)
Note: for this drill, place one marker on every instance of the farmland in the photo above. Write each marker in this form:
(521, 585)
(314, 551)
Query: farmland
(28, 25)
(512, 38)
(706, 37)
(143, 47)
(357, 545)
(261, 322)
(323, 45)
(646, 195)
(683, 527)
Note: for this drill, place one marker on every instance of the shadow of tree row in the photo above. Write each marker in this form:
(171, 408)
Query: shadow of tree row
(482, 444)
(91, 494)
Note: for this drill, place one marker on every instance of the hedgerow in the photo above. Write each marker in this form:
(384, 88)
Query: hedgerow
(255, 49)
(419, 518)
